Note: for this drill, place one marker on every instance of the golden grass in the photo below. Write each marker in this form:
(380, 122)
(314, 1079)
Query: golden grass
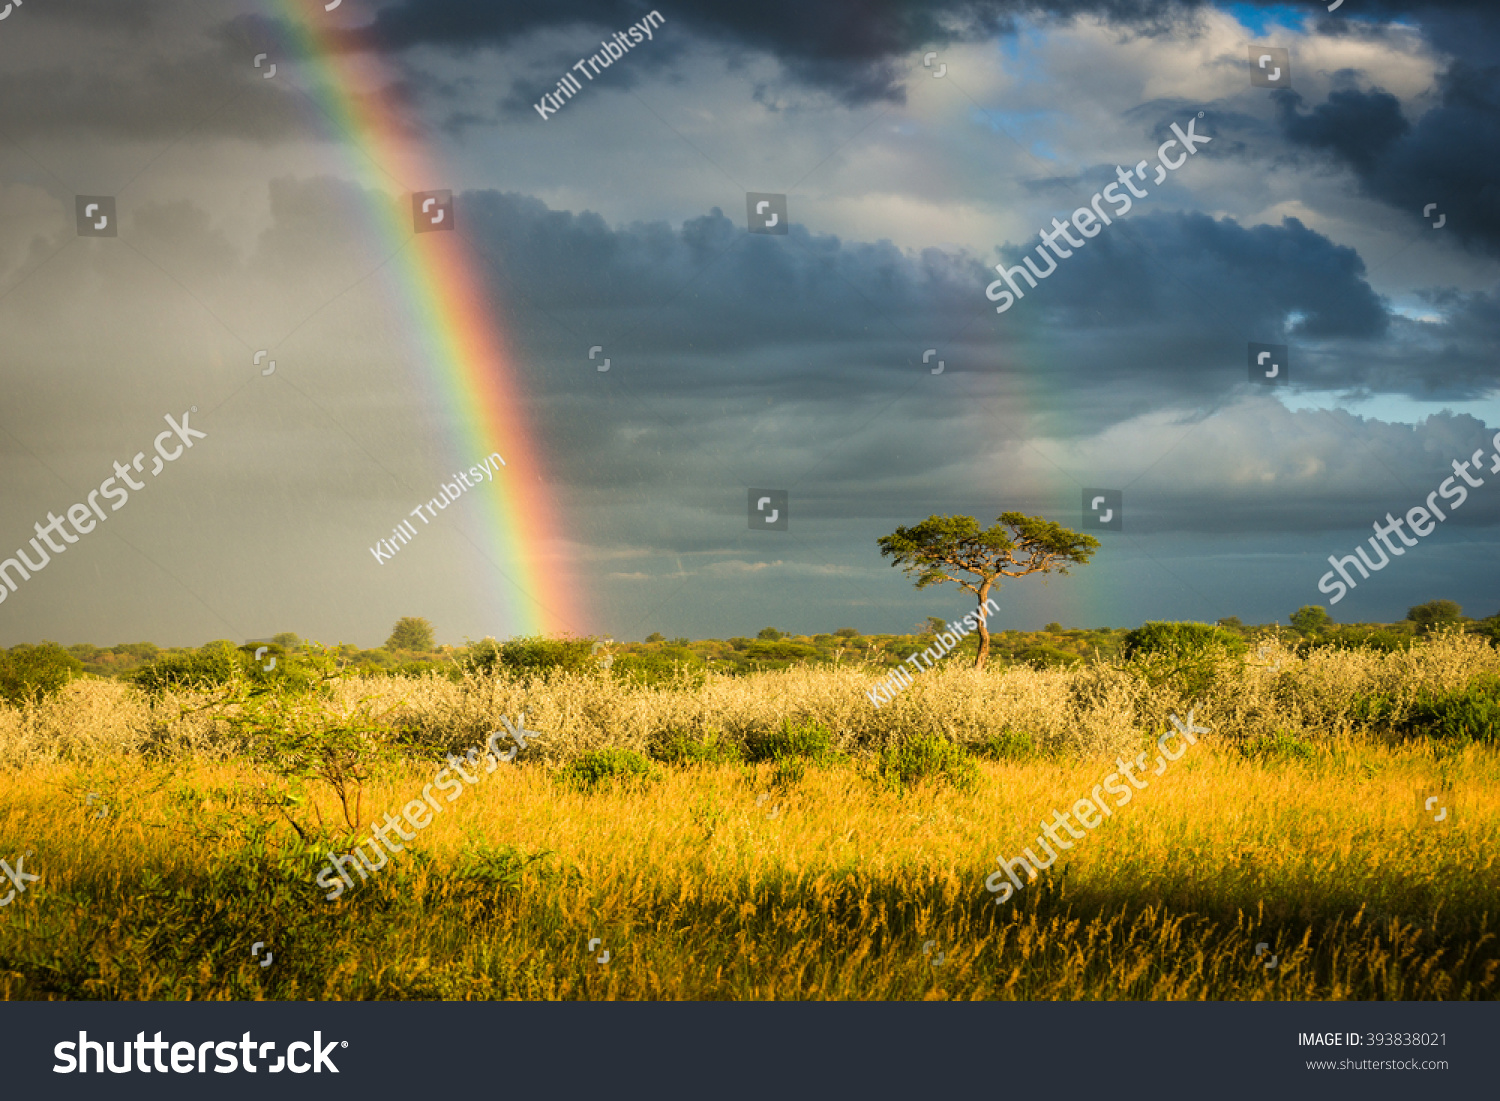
(699, 892)
(827, 889)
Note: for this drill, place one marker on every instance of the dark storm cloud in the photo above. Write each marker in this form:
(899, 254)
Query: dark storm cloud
(720, 288)
(1168, 299)
(1449, 156)
(1358, 126)
(857, 52)
(1201, 271)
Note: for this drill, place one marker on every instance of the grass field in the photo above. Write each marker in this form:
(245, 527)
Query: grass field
(1299, 822)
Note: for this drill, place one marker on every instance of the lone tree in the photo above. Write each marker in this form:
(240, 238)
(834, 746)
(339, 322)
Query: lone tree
(411, 633)
(1434, 614)
(940, 546)
(1311, 619)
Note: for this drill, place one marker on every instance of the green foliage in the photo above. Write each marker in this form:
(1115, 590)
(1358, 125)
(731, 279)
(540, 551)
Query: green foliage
(1280, 746)
(1360, 637)
(531, 655)
(411, 633)
(222, 665)
(601, 766)
(943, 543)
(656, 636)
(491, 872)
(1193, 657)
(30, 674)
(665, 666)
(789, 772)
(846, 632)
(286, 640)
(1053, 628)
(811, 741)
(926, 757)
(302, 734)
(210, 666)
(1044, 657)
(1180, 640)
(1469, 715)
(1232, 622)
(1311, 619)
(676, 747)
(1008, 745)
(780, 650)
(769, 634)
(1435, 614)
(941, 548)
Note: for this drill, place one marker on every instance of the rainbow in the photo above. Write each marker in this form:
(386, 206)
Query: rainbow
(450, 317)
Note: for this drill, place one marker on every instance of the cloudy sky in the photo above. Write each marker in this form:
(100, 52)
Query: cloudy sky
(1351, 214)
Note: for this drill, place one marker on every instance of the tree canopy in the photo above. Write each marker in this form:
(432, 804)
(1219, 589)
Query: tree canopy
(1435, 613)
(1311, 619)
(943, 548)
(411, 633)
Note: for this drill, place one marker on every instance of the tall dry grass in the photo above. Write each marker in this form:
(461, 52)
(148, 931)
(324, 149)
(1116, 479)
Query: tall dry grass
(710, 882)
(1090, 711)
(700, 889)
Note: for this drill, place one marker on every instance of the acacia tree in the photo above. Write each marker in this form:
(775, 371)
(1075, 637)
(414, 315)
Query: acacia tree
(1434, 614)
(411, 633)
(1016, 545)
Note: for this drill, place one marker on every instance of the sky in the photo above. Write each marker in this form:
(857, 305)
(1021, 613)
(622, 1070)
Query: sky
(856, 362)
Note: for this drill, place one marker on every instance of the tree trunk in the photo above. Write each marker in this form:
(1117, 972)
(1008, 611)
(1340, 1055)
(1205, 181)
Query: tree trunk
(984, 630)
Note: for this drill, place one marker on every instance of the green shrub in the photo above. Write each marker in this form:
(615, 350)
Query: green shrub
(210, 666)
(1192, 657)
(1469, 715)
(422, 669)
(1045, 657)
(1280, 746)
(924, 757)
(1180, 640)
(789, 772)
(531, 655)
(781, 651)
(1008, 745)
(661, 667)
(601, 766)
(486, 874)
(678, 748)
(1355, 637)
(810, 741)
(29, 674)
(1435, 614)
(1377, 709)
(1488, 628)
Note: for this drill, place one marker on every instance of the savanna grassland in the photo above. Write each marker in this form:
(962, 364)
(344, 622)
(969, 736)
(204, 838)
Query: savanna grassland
(771, 835)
